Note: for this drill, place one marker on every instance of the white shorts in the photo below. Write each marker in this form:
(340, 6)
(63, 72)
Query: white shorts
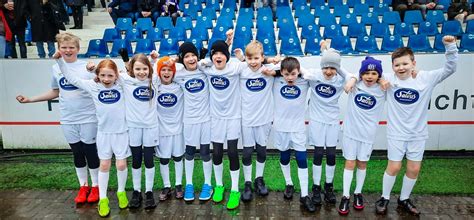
(170, 146)
(284, 141)
(225, 129)
(112, 144)
(197, 134)
(323, 135)
(80, 132)
(412, 149)
(146, 137)
(256, 135)
(356, 150)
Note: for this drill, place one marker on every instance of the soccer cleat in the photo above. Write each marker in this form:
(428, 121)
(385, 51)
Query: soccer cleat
(260, 187)
(247, 195)
(103, 207)
(344, 206)
(206, 192)
(308, 204)
(218, 194)
(122, 199)
(165, 193)
(188, 192)
(234, 199)
(149, 200)
(93, 196)
(136, 200)
(288, 193)
(381, 206)
(82, 195)
(408, 206)
(329, 195)
(358, 201)
(316, 195)
(178, 192)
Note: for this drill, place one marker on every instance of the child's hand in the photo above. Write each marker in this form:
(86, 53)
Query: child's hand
(90, 66)
(384, 84)
(205, 63)
(268, 71)
(154, 55)
(449, 39)
(239, 54)
(350, 85)
(414, 73)
(22, 99)
(230, 37)
(323, 45)
(57, 55)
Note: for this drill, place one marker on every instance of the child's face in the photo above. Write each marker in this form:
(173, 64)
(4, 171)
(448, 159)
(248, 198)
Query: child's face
(219, 60)
(370, 77)
(255, 61)
(141, 71)
(403, 67)
(190, 61)
(329, 72)
(107, 77)
(68, 51)
(290, 76)
(166, 75)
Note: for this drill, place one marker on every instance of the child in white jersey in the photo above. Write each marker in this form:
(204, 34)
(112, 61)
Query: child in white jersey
(170, 120)
(407, 111)
(364, 107)
(78, 120)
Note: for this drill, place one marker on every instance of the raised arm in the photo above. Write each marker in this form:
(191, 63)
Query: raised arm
(451, 57)
(71, 78)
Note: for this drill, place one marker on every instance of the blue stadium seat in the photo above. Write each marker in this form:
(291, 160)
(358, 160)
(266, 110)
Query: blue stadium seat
(196, 41)
(366, 44)
(283, 3)
(332, 31)
(178, 33)
(467, 42)
(200, 32)
(219, 32)
(341, 10)
(404, 29)
(322, 11)
(110, 34)
(470, 27)
(155, 34)
(269, 46)
(144, 24)
(212, 5)
(372, 3)
(381, 8)
(297, 3)
(347, 19)
(356, 29)
(361, 9)
(452, 28)
(224, 21)
(228, 12)
(291, 47)
(284, 12)
(204, 21)
(312, 46)
(263, 33)
(435, 16)
(195, 5)
(428, 28)
(119, 44)
(182, 3)
(302, 10)
(265, 22)
(310, 31)
(286, 23)
(97, 48)
(124, 24)
(327, 20)
(168, 47)
(240, 43)
(306, 19)
(445, 3)
(379, 30)
(246, 13)
(370, 18)
(232, 4)
(264, 11)
(391, 17)
(438, 44)
(209, 13)
(391, 43)
(184, 22)
(352, 3)
(335, 3)
(419, 43)
(28, 34)
(287, 32)
(413, 17)
(342, 44)
(242, 32)
(144, 46)
(316, 3)
(164, 23)
(133, 34)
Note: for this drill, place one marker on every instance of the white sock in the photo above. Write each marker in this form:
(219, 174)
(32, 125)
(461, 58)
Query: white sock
(137, 179)
(82, 176)
(303, 177)
(149, 179)
(259, 169)
(286, 169)
(207, 168)
(407, 187)
(234, 175)
(346, 182)
(94, 176)
(218, 174)
(189, 168)
(178, 169)
(360, 178)
(122, 179)
(103, 184)
(387, 185)
(330, 173)
(317, 175)
(165, 175)
(247, 173)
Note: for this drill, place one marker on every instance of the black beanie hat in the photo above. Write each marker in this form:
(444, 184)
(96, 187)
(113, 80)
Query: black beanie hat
(220, 46)
(187, 47)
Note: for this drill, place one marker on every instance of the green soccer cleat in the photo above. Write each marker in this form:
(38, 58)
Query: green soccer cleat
(103, 207)
(234, 200)
(122, 200)
(218, 194)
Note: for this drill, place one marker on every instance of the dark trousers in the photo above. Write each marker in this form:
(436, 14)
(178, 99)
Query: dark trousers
(77, 15)
(116, 13)
(19, 33)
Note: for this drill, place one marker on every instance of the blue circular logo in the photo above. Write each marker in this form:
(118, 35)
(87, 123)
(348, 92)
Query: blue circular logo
(167, 100)
(143, 93)
(290, 92)
(194, 85)
(325, 90)
(219, 83)
(365, 101)
(64, 84)
(406, 96)
(256, 85)
(109, 96)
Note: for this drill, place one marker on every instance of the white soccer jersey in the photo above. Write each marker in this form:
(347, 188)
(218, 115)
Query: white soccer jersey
(224, 90)
(407, 100)
(170, 109)
(109, 102)
(290, 105)
(76, 105)
(364, 108)
(257, 100)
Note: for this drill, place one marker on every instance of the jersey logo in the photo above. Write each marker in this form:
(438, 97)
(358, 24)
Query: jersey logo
(143, 93)
(256, 85)
(219, 83)
(406, 96)
(290, 92)
(109, 96)
(325, 90)
(365, 101)
(167, 100)
(64, 84)
(194, 85)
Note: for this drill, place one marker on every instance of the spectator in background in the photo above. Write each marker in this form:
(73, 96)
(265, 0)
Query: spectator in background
(148, 9)
(77, 13)
(5, 34)
(404, 5)
(90, 5)
(426, 5)
(48, 29)
(460, 10)
(170, 8)
(126, 9)
(17, 26)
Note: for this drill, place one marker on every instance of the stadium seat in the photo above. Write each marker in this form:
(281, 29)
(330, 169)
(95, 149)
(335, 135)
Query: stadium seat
(327, 20)
(322, 11)
(352, 3)
(438, 44)
(356, 29)
(297, 3)
(144, 46)
(310, 31)
(225, 21)
(312, 46)
(28, 34)
(285, 23)
(404, 29)
(246, 13)
(212, 5)
(264, 11)
(97, 48)
(231, 4)
(428, 28)
(110, 34)
(452, 28)
(144, 24)
(209, 13)
(265, 22)
(361, 9)
(341, 10)
(342, 44)
(335, 3)
(182, 3)
(164, 23)
(316, 3)
(283, 3)
(184, 22)
(391, 17)
(379, 30)
(302, 10)
(445, 3)
(332, 31)
(435, 16)
(219, 32)
(240, 43)
(283, 12)
(196, 41)
(286, 33)
(306, 19)
(370, 18)
(347, 19)
(262, 34)
(413, 17)
(229, 12)
(124, 24)
(366, 44)
(291, 47)
(154, 34)
(391, 43)
(204, 21)
(381, 8)
(178, 33)
(119, 44)
(133, 34)
(372, 3)
(467, 43)
(269, 46)
(419, 43)
(195, 5)
(242, 32)
(168, 47)
(470, 27)
(200, 32)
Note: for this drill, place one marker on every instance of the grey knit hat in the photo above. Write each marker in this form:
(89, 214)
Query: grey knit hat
(331, 58)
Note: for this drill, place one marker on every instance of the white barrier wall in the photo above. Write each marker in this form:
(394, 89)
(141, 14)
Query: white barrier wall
(36, 126)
